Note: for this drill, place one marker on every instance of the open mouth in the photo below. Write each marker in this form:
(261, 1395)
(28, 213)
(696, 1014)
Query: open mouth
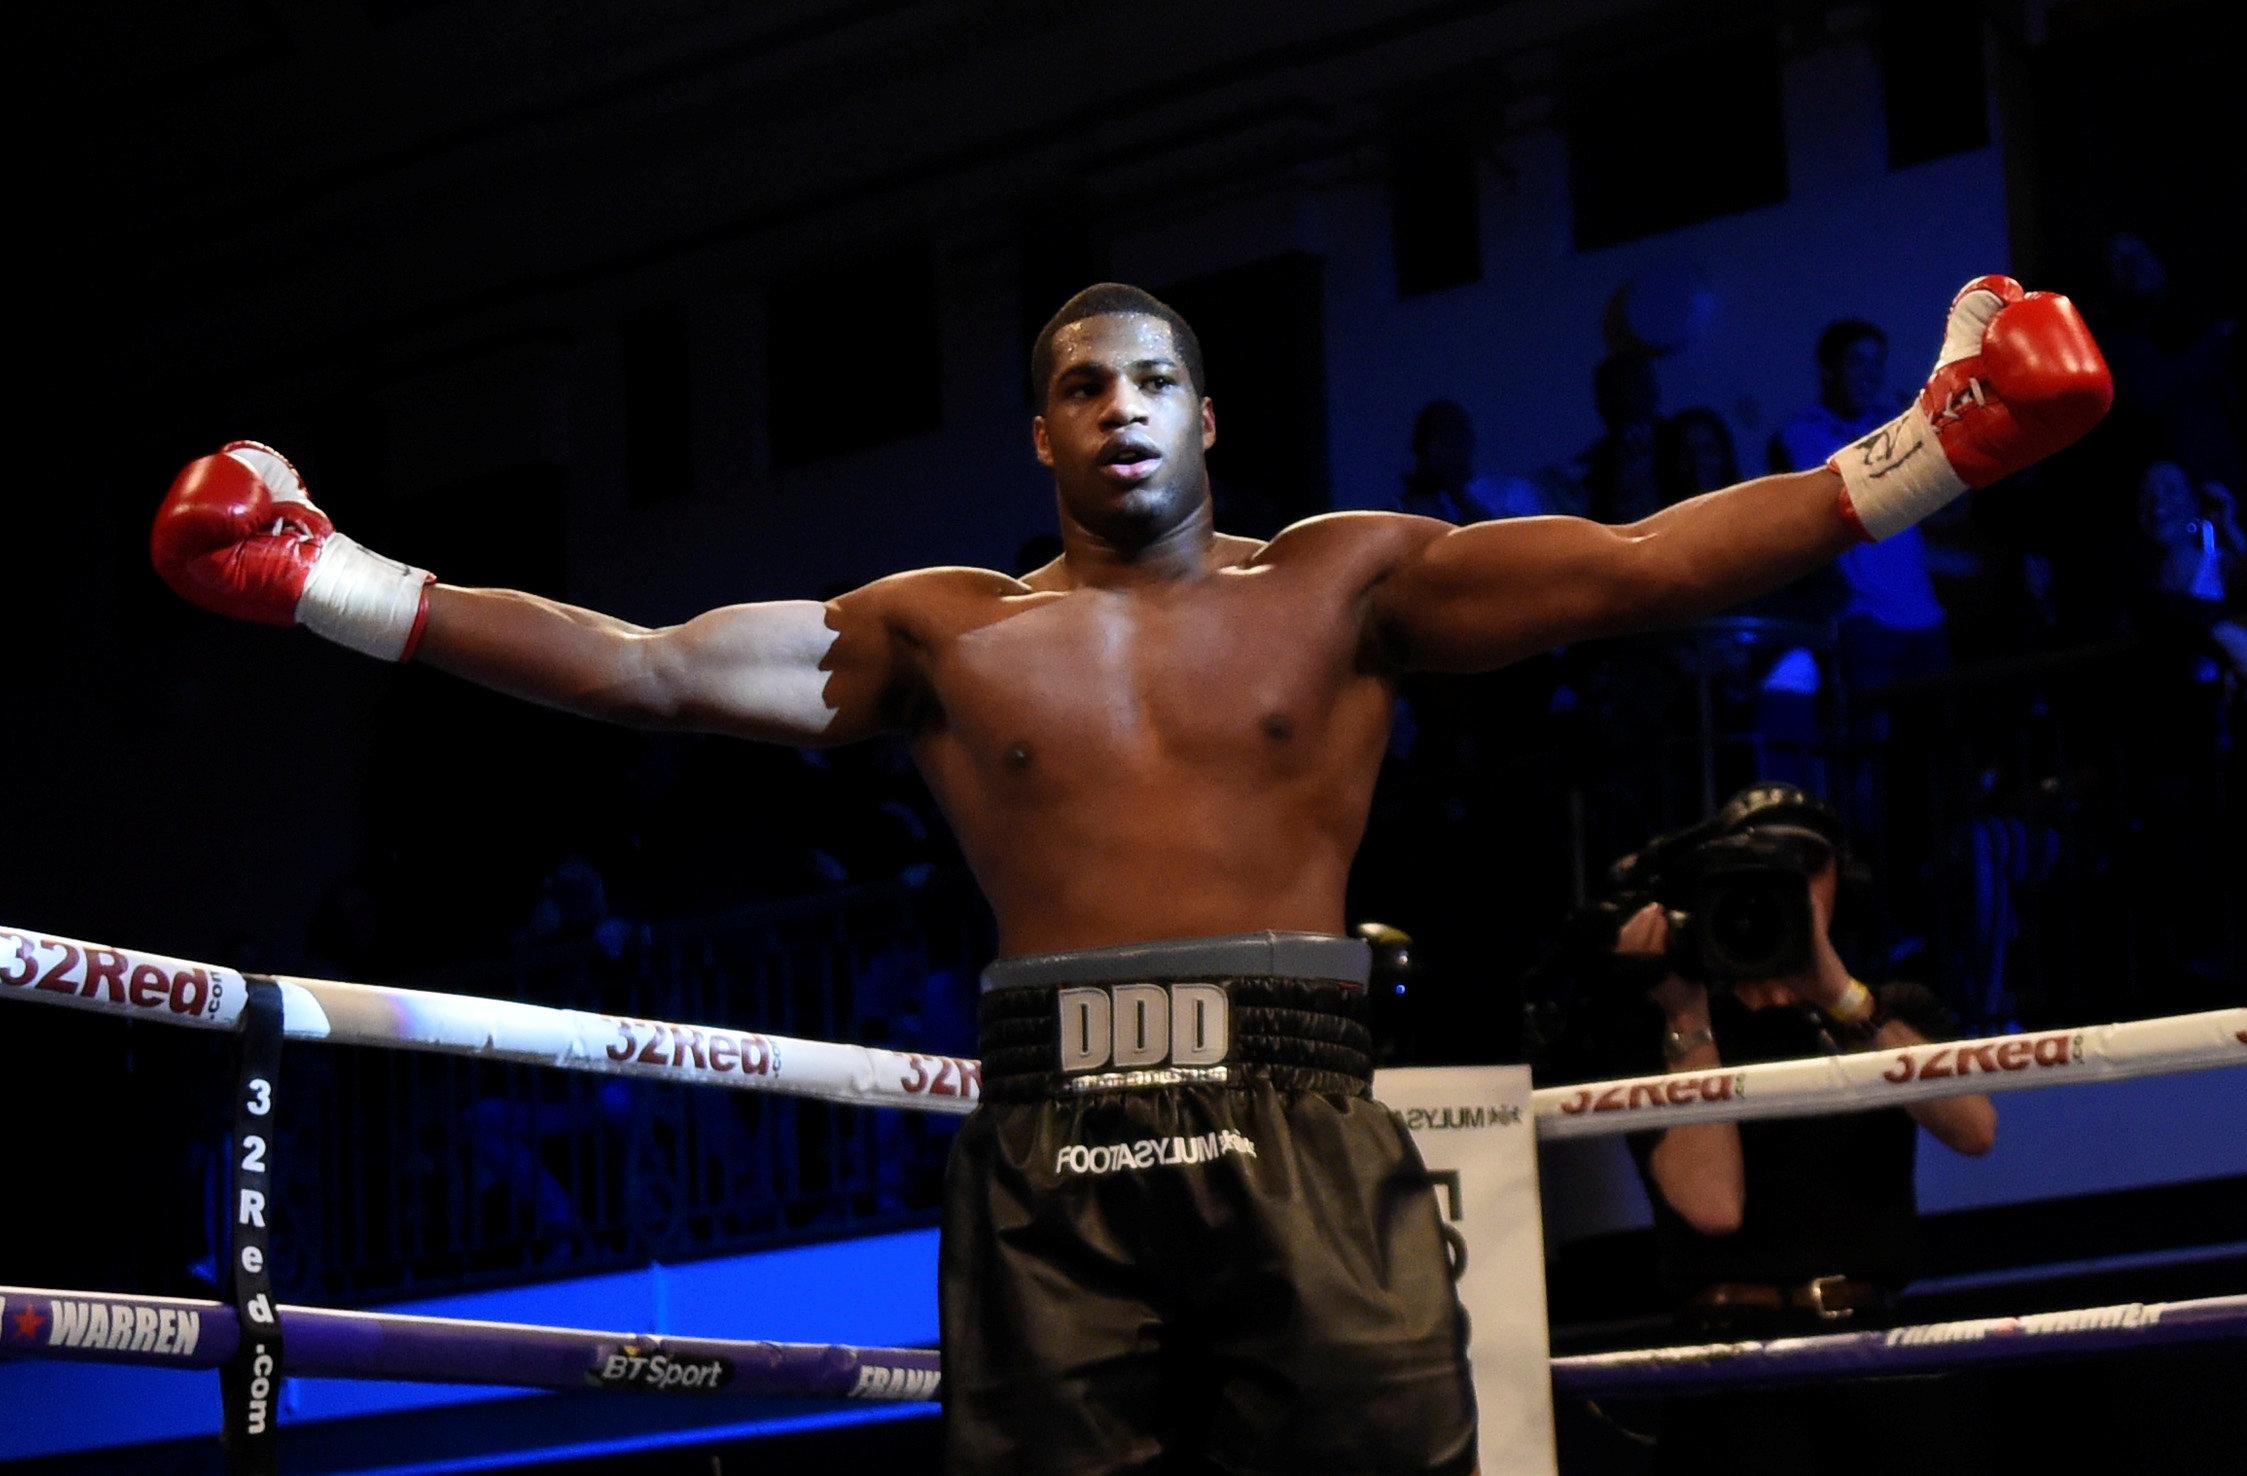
(1129, 460)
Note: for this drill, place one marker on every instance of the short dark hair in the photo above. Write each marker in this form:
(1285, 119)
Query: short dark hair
(1099, 300)
(1841, 334)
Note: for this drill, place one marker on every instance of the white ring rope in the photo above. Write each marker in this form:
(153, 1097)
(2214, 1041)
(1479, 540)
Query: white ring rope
(1823, 1084)
(151, 986)
(140, 985)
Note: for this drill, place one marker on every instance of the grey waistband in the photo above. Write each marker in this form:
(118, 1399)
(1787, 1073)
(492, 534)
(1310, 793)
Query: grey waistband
(1234, 955)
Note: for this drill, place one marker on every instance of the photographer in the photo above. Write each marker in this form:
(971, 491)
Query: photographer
(1713, 948)
(1823, 1195)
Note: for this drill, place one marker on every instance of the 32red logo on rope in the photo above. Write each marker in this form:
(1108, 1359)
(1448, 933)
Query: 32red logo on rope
(109, 976)
(1678, 1090)
(654, 1043)
(2015, 1053)
(942, 1076)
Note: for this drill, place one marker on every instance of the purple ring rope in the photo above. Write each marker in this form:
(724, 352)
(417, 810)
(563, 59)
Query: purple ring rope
(175, 1332)
(1923, 1349)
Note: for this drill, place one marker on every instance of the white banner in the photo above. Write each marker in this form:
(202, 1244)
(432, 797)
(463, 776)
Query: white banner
(1473, 1127)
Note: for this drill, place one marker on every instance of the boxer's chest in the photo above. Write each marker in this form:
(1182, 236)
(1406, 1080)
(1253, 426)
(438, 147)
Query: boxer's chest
(1242, 672)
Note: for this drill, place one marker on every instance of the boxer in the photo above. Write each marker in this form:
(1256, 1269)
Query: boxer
(1179, 1228)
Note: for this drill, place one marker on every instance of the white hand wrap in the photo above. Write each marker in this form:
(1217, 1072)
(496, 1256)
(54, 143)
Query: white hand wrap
(1897, 475)
(361, 599)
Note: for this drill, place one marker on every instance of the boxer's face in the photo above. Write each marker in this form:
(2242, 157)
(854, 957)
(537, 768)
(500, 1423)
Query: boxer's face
(1124, 429)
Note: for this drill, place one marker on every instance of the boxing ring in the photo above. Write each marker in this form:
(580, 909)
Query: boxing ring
(255, 1341)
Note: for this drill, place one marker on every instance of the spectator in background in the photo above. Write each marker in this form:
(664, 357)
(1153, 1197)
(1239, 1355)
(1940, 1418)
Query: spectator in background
(2188, 607)
(2176, 393)
(2176, 366)
(1693, 454)
(573, 904)
(1617, 473)
(1455, 737)
(1610, 692)
(1442, 481)
(2195, 562)
(1892, 625)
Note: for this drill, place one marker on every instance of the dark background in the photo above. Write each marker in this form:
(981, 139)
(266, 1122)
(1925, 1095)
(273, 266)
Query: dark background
(575, 298)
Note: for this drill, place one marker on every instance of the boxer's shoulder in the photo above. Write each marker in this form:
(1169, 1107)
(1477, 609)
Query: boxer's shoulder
(1356, 549)
(927, 605)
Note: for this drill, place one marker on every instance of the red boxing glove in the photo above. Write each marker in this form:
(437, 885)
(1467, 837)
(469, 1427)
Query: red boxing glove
(2019, 377)
(239, 536)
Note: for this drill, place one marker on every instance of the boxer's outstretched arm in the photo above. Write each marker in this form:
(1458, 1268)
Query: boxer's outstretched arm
(2017, 378)
(787, 671)
(238, 534)
(1475, 598)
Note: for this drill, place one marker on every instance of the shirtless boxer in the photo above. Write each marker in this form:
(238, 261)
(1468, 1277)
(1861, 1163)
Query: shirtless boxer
(1178, 1229)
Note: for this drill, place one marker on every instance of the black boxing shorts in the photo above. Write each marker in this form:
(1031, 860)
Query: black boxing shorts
(1180, 1234)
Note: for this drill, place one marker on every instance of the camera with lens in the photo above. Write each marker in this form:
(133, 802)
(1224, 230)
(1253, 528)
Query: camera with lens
(1735, 887)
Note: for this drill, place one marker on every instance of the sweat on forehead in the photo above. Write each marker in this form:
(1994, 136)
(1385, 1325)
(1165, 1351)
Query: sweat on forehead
(1114, 343)
(1101, 307)
(1114, 339)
